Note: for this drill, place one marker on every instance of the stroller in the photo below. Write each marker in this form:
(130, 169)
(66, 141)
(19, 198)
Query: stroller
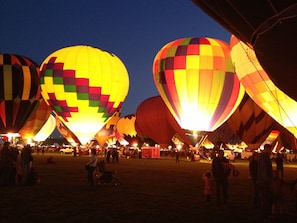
(103, 176)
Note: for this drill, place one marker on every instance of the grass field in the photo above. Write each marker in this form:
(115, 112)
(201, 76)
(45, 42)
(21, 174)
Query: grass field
(151, 190)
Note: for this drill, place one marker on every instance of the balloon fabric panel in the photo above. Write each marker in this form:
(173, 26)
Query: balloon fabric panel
(46, 130)
(36, 121)
(250, 123)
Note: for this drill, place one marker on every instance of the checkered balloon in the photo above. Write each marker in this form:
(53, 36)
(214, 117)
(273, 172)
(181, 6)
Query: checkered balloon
(196, 79)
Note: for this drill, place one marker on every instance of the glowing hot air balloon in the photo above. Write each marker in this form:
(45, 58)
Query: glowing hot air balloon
(85, 86)
(35, 122)
(107, 131)
(66, 132)
(46, 130)
(154, 120)
(125, 127)
(19, 91)
(196, 79)
(260, 88)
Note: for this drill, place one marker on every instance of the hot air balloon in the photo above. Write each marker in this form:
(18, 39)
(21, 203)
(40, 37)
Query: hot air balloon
(224, 134)
(85, 86)
(19, 91)
(46, 130)
(35, 122)
(125, 127)
(108, 129)
(269, 27)
(195, 77)
(260, 88)
(155, 121)
(66, 132)
(251, 123)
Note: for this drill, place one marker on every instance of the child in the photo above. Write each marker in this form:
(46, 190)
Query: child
(208, 185)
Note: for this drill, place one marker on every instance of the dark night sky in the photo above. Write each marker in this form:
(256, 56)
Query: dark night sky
(134, 30)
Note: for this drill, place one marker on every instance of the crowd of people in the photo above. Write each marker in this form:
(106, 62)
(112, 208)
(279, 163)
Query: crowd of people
(12, 171)
(267, 182)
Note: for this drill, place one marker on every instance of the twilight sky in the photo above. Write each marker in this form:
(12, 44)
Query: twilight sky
(134, 30)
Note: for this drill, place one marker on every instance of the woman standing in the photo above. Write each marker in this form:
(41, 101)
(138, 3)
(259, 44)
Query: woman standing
(91, 167)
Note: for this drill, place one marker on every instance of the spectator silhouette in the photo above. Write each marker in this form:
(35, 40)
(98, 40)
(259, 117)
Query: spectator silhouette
(26, 162)
(280, 164)
(208, 185)
(253, 169)
(264, 180)
(221, 172)
(92, 164)
(6, 164)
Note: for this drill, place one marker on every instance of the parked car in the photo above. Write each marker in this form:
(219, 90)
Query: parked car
(52, 149)
(66, 150)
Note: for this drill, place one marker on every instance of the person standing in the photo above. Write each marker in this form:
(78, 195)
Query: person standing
(264, 180)
(26, 162)
(177, 157)
(253, 169)
(91, 167)
(221, 171)
(280, 165)
(208, 185)
(6, 164)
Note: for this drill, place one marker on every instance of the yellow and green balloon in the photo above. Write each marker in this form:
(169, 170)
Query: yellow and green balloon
(85, 86)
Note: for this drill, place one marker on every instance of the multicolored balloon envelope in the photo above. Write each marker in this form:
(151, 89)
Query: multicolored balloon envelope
(19, 91)
(196, 79)
(260, 88)
(85, 86)
(126, 128)
(107, 131)
(35, 122)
